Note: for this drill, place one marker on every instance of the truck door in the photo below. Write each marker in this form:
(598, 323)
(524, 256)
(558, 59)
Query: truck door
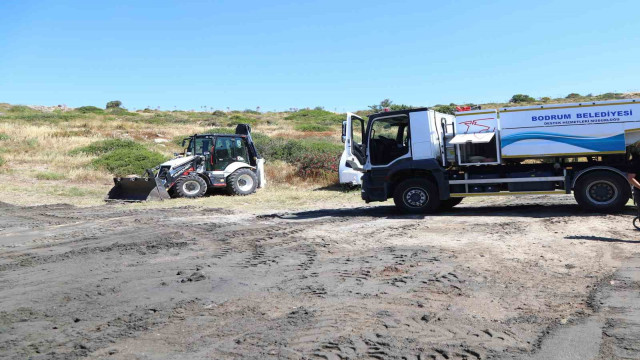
(353, 135)
(389, 140)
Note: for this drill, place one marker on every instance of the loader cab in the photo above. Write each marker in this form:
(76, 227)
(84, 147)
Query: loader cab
(218, 150)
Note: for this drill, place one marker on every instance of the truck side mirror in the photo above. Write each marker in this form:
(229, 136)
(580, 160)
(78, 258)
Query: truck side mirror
(344, 138)
(344, 131)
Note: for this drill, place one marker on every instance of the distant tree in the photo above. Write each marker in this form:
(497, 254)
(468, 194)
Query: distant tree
(445, 109)
(521, 98)
(114, 104)
(610, 96)
(386, 103)
(545, 99)
(573, 96)
(89, 110)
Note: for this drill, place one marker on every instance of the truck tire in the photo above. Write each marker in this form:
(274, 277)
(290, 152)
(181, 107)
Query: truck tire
(450, 203)
(602, 191)
(417, 196)
(242, 182)
(190, 186)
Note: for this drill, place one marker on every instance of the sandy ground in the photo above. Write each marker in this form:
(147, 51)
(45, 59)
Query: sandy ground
(496, 278)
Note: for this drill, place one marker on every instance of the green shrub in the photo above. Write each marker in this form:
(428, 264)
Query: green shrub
(2, 162)
(521, 98)
(573, 96)
(89, 110)
(122, 162)
(236, 119)
(121, 111)
(545, 99)
(4, 137)
(388, 104)
(105, 146)
(445, 109)
(320, 117)
(47, 175)
(312, 127)
(35, 117)
(20, 109)
(249, 111)
(610, 96)
(220, 130)
(114, 104)
(317, 166)
(219, 113)
(290, 150)
(279, 149)
(319, 146)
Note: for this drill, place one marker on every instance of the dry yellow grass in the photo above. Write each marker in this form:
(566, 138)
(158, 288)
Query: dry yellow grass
(33, 150)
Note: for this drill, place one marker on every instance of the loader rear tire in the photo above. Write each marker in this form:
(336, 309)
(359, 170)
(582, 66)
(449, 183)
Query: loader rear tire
(242, 182)
(191, 187)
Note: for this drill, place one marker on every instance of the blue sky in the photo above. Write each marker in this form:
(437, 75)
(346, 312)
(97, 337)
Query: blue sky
(343, 55)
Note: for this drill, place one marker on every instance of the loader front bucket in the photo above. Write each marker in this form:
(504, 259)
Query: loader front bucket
(137, 189)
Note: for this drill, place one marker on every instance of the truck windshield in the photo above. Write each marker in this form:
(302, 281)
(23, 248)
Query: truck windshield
(389, 139)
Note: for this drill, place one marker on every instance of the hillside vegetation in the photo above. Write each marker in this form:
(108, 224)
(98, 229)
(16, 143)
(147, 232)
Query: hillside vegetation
(73, 153)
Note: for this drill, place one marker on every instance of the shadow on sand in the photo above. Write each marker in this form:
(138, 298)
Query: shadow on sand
(601, 238)
(390, 212)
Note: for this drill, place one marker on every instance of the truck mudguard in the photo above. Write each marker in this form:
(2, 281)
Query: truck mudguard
(380, 182)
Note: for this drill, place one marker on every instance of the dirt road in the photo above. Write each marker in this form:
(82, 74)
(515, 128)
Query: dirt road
(501, 278)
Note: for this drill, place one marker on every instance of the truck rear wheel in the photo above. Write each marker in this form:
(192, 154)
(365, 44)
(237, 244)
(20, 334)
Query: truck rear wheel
(242, 182)
(602, 191)
(190, 186)
(416, 196)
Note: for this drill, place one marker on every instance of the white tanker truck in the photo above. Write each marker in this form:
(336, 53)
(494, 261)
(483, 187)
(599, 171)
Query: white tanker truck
(427, 160)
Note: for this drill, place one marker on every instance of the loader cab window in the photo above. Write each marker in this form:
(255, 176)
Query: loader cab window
(200, 145)
(229, 150)
(389, 139)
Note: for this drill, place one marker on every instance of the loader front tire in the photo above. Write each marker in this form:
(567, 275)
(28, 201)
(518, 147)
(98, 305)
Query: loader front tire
(191, 187)
(242, 182)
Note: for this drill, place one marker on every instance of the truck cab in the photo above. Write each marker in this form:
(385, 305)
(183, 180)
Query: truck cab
(402, 145)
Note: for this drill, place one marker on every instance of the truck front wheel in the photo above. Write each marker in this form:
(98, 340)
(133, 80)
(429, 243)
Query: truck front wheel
(602, 191)
(417, 196)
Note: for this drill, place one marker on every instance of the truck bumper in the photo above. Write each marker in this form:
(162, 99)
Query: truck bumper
(373, 189)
